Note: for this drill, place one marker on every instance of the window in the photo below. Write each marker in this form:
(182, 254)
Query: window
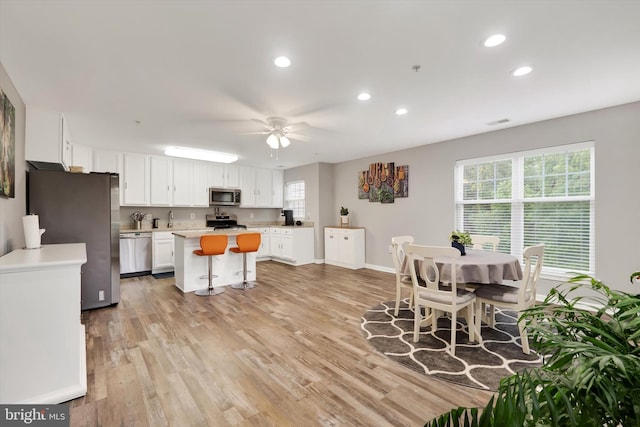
(526, 198)
(294, 198)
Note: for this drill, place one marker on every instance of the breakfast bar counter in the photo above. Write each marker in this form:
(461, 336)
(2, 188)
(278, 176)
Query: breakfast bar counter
(191, 271)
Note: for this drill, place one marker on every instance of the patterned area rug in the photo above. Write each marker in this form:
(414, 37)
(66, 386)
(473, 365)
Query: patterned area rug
(478, 365)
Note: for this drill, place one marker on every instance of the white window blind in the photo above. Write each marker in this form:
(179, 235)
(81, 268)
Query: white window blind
(526, 198)
(294, 198)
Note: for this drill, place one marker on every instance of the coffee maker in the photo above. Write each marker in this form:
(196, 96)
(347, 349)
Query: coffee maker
(288, 216)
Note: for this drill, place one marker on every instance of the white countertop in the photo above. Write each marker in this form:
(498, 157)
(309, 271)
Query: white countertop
(44, 257)
(195, 234)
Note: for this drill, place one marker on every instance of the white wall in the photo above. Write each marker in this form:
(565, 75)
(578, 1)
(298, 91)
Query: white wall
(12, 210)
(428, 212)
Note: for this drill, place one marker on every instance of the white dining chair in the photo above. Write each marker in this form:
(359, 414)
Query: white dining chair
(398, 252)
(434, 297)
(480, 240)
(517, 298)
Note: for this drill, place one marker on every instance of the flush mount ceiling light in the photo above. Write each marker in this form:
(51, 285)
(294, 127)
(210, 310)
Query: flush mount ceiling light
(494, 40)
(522, 71)
(193, 153)
(364, 96)
(401, 111)
(282, 61)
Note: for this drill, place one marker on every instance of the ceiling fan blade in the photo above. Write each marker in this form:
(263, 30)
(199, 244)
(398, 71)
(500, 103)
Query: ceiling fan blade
(262, 122)
(294, 127)
(298, 137)
(264, 132)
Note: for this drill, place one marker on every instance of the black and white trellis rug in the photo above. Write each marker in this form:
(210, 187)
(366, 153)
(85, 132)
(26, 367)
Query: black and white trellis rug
(478, 365)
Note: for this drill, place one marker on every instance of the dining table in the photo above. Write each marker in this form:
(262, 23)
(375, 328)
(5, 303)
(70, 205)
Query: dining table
(477, 267)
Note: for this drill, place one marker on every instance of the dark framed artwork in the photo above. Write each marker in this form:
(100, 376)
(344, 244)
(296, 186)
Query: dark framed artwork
(7, 147)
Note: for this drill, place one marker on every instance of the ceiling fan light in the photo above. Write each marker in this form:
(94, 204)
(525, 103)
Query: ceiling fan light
(284, 141)
(272, 140)
(282, 61)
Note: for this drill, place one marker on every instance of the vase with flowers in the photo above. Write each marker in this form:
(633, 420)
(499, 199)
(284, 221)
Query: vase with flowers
(460, 239)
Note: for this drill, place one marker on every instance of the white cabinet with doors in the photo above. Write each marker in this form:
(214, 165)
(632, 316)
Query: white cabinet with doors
(183, 182)
(135, 179)
(162, 252)
(82, 155)
(201, 183)
(161, 181)
(277, 185)
(224, 176)
(344, 247)
(47, 137)
(292, 245)
(248, 187)
(262, 188)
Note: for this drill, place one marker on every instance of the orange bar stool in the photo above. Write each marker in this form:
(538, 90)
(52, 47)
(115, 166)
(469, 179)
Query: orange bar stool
(211, 245)
(247, 242)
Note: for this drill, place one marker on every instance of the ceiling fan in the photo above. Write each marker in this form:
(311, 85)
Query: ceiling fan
(279, 131)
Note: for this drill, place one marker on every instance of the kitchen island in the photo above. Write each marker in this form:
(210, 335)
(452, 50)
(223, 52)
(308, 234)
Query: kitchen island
(191, 271)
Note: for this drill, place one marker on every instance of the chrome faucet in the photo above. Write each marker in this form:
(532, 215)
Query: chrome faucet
(170, 225)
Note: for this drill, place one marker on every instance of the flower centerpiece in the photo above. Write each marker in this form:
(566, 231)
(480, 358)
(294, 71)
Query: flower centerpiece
(460, 239)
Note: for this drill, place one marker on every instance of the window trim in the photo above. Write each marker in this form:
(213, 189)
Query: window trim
(287, 200)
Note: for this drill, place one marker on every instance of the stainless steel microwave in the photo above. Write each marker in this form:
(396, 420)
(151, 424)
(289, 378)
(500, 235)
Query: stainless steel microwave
(224, 197)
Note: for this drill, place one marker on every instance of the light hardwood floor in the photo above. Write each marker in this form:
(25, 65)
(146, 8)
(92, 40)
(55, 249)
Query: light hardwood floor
(286, 353)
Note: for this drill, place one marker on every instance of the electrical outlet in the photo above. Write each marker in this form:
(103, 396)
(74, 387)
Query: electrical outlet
(147, 217)
(193, 216)
(390, 249)
(251, 215)
(100, 295)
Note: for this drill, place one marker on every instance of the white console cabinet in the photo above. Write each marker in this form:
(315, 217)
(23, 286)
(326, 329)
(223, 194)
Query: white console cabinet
(43, 358)
(344, 247)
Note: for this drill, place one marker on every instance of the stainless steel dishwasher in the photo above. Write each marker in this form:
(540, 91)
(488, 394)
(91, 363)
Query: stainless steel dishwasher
(135, 252)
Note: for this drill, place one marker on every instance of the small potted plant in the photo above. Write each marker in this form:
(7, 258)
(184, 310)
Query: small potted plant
(460, 239)
(344, 216)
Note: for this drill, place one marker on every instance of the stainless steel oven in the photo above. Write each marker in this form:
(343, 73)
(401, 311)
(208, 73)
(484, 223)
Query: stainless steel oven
(224, 197)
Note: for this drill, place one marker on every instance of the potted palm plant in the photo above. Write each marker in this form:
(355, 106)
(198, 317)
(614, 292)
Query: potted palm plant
(591, 370)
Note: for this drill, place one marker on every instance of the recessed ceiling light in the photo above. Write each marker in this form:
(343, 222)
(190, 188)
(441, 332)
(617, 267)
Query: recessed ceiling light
(282, 61)
(364, 96)
(522, 71)
(494, 40)
(401, 111)
(192, 153)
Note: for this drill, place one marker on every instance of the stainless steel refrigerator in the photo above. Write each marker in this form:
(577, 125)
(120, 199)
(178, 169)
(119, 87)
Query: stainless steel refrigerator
(79, 207)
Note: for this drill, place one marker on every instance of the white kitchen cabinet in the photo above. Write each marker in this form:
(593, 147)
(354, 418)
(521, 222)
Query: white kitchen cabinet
(161, 181)
(82, 155)
(344, 247)
(277, 184)
(47, 137)
(259, 189)
(292, 245)
(265, 241)
(182, 182)
(224, 176)
(162, 252)
(201, 183)
(248, 187)
(136, 177)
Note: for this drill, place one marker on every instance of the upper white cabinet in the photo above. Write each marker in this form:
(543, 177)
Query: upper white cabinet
(183, 182)
(81, 155)
(47, 137)
(161, 180)
(262, 188)
(136, 177)
(201, 183)
(224, 176)
(277, 186)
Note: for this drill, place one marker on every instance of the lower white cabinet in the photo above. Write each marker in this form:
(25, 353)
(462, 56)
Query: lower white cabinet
(265, 241)
(292, 245)
(344, 247)
(163, 252)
